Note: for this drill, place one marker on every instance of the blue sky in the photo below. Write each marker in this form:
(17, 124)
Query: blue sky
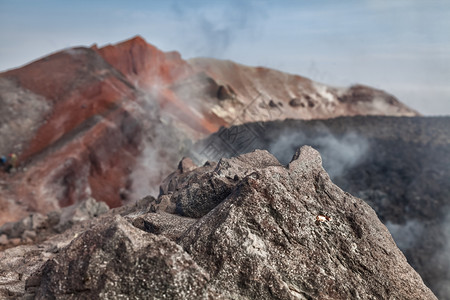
(400, 46)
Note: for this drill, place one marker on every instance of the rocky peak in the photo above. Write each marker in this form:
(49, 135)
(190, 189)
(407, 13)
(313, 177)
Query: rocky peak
(291, 228)
(399, 166)
(144, 64)
(245, 228)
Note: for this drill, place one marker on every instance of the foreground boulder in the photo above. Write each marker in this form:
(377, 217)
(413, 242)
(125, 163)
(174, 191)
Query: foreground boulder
(292, 234)
(399, 166)
(273, 232)
(118, 261)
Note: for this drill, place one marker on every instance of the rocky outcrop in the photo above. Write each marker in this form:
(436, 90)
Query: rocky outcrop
(193, 194)
(117, 260)
(58, 230)
(269, 241)
(281, 232)
(399, 166)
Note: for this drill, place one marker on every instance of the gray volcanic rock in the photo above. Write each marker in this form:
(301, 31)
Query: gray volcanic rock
(170, 225)
(194, 194)
(116, 260)
(267, 240)
(399, 166)
(17, 264)
(37, 227)
(280, 233)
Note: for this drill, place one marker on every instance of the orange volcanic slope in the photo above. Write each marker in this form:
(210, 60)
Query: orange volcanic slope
(96, 115)
(81, 146)
(144, 64)
(154, 71)
(205, 94)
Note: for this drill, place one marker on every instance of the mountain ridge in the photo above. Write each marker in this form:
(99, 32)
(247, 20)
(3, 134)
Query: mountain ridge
(129, 96)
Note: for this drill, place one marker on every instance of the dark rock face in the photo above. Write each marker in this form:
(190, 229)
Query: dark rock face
(399, 166)
(225, 92)
(295, 102)
(280, 233)
(17, 264)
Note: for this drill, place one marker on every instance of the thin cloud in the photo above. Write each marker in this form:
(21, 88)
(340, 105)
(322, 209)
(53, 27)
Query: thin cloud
(382, 44)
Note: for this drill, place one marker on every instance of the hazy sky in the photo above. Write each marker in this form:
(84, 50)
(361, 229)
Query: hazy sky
(400, 46)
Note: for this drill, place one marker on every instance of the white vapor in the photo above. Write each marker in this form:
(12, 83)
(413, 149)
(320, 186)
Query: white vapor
(339, 153)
